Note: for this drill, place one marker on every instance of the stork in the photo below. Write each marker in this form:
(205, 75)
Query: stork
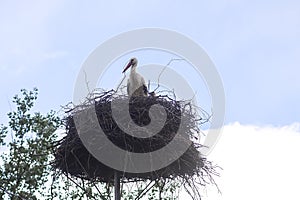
(136, 84)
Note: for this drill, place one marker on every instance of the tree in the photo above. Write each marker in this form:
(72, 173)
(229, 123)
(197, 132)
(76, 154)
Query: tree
(25, 167)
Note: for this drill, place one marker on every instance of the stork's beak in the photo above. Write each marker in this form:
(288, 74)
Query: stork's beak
(127, 67)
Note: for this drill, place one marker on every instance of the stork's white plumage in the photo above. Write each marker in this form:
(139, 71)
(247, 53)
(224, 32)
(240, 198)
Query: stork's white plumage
(136, 84)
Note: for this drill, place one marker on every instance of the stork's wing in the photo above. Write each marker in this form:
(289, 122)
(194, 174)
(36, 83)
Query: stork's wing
(145, 89)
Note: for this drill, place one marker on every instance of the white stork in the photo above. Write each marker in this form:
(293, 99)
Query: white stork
(136, 84)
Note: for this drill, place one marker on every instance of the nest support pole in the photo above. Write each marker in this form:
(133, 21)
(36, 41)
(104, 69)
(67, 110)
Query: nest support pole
(117, 186)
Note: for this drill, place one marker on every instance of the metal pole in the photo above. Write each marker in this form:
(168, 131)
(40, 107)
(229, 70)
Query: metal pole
(117, 186)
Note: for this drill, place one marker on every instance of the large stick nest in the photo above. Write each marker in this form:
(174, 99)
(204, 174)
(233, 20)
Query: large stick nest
(73, 158)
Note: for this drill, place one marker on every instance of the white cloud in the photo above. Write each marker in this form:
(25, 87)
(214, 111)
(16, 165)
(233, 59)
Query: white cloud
(259, 162)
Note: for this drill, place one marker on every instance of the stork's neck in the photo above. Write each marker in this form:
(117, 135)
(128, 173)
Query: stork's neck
(133, 69)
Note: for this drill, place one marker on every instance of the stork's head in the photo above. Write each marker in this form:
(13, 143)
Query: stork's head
(132, 63)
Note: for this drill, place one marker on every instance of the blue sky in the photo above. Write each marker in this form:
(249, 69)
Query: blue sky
(255, 46)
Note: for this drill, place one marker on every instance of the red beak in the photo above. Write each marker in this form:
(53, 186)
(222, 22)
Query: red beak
(127, 67)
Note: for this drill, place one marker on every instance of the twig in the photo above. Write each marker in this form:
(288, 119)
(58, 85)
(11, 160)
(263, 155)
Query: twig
(11, 132)
(86, 81)
(172, 60)
(120, 83)
(144, 191)
(11, 194)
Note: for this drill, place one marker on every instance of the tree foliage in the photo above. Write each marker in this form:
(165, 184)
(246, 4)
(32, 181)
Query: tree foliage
(25, 167)
(28, 142)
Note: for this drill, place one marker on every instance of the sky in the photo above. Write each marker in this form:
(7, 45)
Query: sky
(255, 46)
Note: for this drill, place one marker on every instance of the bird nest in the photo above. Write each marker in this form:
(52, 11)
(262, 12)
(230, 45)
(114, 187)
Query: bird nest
(73, 158)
